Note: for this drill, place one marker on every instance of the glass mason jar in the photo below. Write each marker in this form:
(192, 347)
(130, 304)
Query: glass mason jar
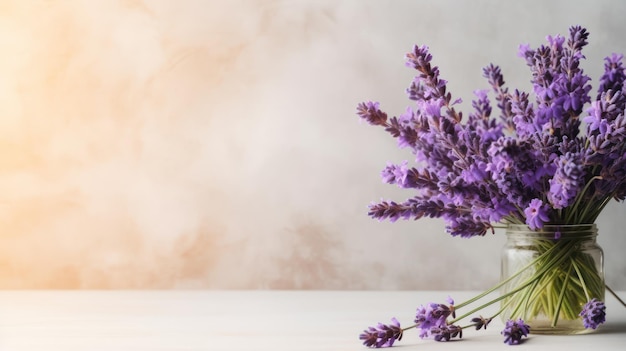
(549, 275)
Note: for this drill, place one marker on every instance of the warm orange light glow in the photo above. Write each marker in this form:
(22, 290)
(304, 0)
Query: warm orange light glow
(105, 108)
(213, 143)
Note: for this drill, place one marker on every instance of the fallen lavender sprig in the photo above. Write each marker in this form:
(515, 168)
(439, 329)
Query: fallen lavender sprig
(433, 321)
(439, 322)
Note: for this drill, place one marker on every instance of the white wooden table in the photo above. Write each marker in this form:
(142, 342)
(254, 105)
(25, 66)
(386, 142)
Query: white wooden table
(247, 320)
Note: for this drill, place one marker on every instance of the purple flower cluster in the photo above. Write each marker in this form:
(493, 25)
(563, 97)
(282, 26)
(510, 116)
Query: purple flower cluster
(593, 313)
(514, 331)
(530, 165)
(432, 321)
(383, 335)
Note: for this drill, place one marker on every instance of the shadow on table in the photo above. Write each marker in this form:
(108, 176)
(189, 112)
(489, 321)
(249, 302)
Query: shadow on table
(612, 328)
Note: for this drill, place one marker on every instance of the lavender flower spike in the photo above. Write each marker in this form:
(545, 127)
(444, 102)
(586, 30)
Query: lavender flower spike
(447, 332)
(514, 331)
(481, 322)
(370, 111)
(593, 313)
(383, 335)
(432, 316)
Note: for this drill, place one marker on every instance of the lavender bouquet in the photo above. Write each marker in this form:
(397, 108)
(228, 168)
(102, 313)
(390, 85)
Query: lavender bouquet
(547, 161)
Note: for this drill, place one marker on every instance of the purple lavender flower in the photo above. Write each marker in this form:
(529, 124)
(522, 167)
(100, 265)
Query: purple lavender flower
(524, 51)
(558, 82)
(383, 335)
(481, 322)
(514, 331)
(518, 169)
(571, 94)
(614, 75)
(393, 211)
(567, 181)
(483, 170)
(496, 80)
(433, 315)
(446, 332)
(395, 174)
(523, 115)
(466, 226)
(370, 111)
(536, 214)
(593, 313)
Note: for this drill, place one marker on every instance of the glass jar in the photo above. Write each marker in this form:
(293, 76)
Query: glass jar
(550, 275)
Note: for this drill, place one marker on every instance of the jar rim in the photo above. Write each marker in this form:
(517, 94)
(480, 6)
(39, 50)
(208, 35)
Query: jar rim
(554, 230)
(550, 227)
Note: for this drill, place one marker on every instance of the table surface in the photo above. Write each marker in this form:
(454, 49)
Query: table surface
(248, 320)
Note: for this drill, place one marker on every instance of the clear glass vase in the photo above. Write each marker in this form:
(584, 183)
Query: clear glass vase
(550, 274)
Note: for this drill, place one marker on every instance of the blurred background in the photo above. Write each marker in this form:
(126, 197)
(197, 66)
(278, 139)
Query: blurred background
(214, 144)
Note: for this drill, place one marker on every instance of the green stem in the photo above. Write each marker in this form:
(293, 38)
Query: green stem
(543, 274)
(615, 295)
(580, 278)
(483, 306)
(554, 261)
(499, 285)
(555, 318)
(524, 297)
(409, 327)
(574, 208)
(529, 296)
